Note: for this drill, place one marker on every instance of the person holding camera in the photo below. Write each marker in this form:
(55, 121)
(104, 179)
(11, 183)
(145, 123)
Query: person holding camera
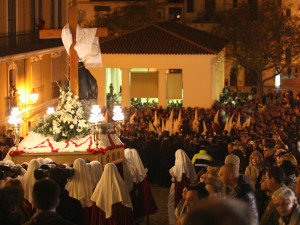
(45, 196)
(69, 208)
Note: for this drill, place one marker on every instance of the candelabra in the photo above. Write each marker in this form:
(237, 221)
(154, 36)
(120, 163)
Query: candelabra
(96, 134)
(118, 118)
(96, 119)
(16, 135)
(15, 120)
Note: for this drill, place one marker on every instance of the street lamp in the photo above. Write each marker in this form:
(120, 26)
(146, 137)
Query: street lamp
(33, 96)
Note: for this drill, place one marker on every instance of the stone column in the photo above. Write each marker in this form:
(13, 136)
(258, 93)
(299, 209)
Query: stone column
(125, 88)
(55, 56)
(101, 81)
(162, 88)
(36, 72)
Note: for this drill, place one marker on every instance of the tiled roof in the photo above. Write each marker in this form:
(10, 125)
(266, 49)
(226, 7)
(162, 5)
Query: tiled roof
(164, 38)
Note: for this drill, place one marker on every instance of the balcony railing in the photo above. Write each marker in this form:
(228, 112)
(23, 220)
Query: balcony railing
(25, 42)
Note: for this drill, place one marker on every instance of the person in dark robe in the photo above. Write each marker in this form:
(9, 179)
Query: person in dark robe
(88, 88)
(87, 84)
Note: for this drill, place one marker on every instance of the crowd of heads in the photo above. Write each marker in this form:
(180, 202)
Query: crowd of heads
(46, 192)
(258, 161)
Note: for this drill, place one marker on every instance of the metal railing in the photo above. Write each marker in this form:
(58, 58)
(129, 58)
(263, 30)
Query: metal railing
(16, 43)
(15, 40)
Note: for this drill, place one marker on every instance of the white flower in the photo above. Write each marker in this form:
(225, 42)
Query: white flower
(57, 130)
(82, 123)
(75, 121)
(71, 126)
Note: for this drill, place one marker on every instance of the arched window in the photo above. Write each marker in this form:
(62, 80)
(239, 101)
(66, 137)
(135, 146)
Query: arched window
(12, 81)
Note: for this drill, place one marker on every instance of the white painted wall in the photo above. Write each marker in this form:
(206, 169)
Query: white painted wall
(196, 70)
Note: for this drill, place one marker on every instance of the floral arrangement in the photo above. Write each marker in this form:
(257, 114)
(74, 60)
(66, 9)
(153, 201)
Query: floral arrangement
(68, 122)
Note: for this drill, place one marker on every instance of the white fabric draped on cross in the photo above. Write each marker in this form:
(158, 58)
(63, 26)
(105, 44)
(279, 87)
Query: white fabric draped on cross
(87, 45)
(111, 189)
(182, 165)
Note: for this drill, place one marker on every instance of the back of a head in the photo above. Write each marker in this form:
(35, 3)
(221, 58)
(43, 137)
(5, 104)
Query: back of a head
(277, 173)
(58, 175)
(8, 201)
(219, 212)
(45, 194)
(269, 161)
(16, 184)
(270, 143)
(288, 167)
(200, 189)
(217, 184)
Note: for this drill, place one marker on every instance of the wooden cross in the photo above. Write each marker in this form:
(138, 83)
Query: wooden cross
(48, 34)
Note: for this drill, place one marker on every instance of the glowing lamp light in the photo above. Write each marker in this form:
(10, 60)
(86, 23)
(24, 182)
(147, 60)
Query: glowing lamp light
(93, 118)
(96, 114)
(277, 81)
(33, 96)
(15, 111)
(101, 117)
(50, 110)
(20, 121)
(95, 109)
(118, 115)
(14, 119)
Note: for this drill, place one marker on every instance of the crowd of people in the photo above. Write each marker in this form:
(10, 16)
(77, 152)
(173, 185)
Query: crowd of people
(45, 193)
(267, 151)
(234, 163)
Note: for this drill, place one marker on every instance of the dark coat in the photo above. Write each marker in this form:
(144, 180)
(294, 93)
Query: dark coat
(244, 192)
(70, 209)
(47, 218)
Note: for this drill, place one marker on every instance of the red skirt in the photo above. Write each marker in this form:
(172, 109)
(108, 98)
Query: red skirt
(121, 215)
(87, 212)
(142, 199)
(179, 188)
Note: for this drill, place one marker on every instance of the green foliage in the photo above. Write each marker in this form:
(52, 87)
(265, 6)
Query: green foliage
(128, 18)
(259, 36)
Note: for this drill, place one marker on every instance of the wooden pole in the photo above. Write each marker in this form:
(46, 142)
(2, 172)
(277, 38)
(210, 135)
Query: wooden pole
(73, 54)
